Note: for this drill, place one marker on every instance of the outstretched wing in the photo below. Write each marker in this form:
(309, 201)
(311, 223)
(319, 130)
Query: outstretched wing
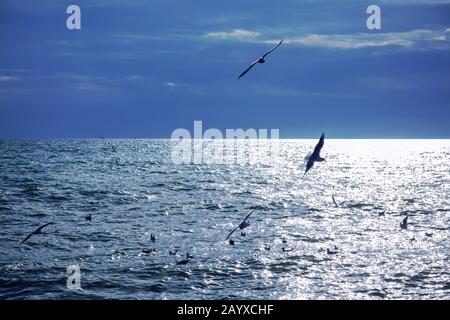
(319, 146)
(248, 216)
(265, 54)
(28, 237)
(229, 235)
(41, 227)
(248, 69)
(35, 231)
(309, 164)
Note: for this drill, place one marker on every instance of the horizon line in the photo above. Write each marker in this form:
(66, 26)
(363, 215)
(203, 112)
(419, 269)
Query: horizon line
(269, 139)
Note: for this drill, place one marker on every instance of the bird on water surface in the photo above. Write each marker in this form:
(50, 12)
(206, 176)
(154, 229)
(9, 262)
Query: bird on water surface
(185, 261)
(404, 223)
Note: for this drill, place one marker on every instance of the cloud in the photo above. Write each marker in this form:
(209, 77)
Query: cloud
(409, 39)
(131, 38)
(8, 78)
(135, 77)
(96, 82)
(239, 34)
(172, 84)
(440, 38)
(414, 39)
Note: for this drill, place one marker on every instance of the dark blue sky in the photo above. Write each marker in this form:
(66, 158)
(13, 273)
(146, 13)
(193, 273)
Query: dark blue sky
(144, 68)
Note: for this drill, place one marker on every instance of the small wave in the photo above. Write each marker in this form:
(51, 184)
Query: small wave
(32, 190)
(360, 206)
(56, 198)
(213, 207)
(258, 207)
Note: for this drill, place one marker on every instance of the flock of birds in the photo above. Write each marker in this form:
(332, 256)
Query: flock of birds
(311, 160)
(245, 223)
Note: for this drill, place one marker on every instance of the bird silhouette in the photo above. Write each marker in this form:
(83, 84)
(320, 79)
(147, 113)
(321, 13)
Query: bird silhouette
(404, 223)
(149, 250)
(110, 144)
(315, 156)
(332, 251)
(185, 261)
(259, 60)
(188, 256)
(244, 224)
(37, 231)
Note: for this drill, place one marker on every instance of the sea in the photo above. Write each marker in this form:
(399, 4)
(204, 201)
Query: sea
(299, 245)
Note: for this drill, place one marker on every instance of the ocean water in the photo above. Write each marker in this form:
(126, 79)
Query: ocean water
(139, 191)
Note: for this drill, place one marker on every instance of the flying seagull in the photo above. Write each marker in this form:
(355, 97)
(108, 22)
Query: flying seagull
(244, 224)
(316, 154)
(110, 143)
(260, 60)
(37, 231)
